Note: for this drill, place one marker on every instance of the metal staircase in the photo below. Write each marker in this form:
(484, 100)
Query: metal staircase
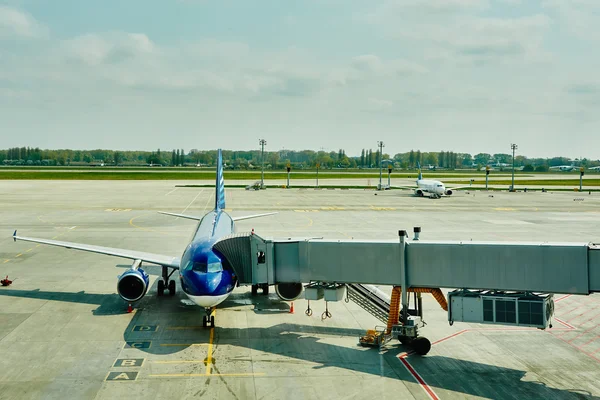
(371, 299)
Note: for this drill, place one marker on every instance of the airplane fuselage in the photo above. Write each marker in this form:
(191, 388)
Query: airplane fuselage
(430, 186)
(202, 275)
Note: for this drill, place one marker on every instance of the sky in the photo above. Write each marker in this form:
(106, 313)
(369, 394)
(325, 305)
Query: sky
(454, 75)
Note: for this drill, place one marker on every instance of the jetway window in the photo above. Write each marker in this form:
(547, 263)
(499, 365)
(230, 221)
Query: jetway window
(488, 310)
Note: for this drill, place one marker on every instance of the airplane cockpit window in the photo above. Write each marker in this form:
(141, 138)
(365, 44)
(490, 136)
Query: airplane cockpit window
(204, 267)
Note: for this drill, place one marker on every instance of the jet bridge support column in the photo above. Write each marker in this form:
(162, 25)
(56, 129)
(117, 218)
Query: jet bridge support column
(403, 279)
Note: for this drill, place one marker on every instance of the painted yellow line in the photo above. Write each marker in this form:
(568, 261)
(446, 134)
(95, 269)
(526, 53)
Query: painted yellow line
(199, 375)
(19, 255)
(27, 251)
(210, 349)
(180, 362)
(183, 344)
(5, 261)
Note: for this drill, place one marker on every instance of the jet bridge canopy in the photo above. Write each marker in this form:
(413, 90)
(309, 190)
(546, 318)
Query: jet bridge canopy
(570, 268)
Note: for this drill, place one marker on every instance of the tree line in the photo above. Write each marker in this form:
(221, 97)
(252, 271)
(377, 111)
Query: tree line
(251, 159)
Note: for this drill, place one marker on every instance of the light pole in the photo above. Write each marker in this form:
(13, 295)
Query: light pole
(513, 147)
(380, 145)
(262, 143)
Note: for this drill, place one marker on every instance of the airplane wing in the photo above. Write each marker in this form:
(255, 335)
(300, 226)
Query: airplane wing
(405, 187)
(234, 218)
(166, 261)
(459, 187)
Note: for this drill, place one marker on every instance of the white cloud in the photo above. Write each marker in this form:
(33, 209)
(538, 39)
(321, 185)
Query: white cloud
(14, 22)
(581, 17)
(114, 47)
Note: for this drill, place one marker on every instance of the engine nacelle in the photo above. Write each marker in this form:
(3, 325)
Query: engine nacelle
(448, 192)
(419, 192)
(288, 291)
(133, 284)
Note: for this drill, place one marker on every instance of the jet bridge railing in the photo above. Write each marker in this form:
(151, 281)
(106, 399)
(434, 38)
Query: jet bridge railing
(569, 268)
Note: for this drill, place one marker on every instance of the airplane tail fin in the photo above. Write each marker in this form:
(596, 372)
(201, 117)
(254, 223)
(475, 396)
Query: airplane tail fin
(420, 174)
(220, 184)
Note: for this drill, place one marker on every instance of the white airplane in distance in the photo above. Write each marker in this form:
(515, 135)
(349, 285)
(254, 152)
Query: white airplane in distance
(594, 168)
(435, 189)
(564, 168)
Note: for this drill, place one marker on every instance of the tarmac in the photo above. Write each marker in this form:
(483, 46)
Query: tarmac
(65, 333)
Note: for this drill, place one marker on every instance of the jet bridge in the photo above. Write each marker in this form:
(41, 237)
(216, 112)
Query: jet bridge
(496, 282)
(568, 268)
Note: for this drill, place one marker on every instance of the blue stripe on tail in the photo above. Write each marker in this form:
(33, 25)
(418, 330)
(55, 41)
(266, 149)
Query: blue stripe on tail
(220, 184)
(420, 175)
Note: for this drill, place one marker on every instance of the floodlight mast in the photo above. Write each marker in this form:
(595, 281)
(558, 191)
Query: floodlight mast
(262, 143)
(513, 147)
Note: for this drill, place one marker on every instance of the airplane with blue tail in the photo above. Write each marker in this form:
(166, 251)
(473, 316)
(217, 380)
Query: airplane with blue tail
(204, 275)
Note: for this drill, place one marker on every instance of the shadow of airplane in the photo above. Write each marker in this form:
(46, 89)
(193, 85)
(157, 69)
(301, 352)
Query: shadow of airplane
(300, 342)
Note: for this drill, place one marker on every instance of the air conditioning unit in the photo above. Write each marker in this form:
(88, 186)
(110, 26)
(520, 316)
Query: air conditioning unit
(499, 307)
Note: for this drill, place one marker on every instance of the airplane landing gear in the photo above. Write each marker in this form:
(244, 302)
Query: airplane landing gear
(263, 286)
(208, 318)
(162, 283)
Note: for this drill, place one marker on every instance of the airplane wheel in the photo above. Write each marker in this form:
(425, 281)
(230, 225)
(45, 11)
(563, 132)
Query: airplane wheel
(421, 345)
(212, 321)
(265, 289)
(171, 288)
(161, 287)
(254, 290)
(204, 321)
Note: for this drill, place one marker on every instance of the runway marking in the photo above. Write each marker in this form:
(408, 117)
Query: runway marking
(183, 344)
(145, 328)
(171, 191)
(121, 376)
(28, 250)
(19, 255)
(117, 210)
(142, 344)
(128, 362)
(205, 375)
(306, 210)
(180, 362)
(504, 209)
(191, 202)
(5, 261)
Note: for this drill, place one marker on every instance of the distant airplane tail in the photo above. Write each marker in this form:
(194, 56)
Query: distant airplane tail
(420, 174)
(220, 184)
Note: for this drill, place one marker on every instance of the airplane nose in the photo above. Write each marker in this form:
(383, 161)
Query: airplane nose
(199, 284)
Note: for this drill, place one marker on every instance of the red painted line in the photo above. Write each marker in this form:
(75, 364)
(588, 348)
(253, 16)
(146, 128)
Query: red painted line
(579, 348)
(592, 340)
(583, 313)
(420, 380)
(560, 321)
(561, 298)
(451, 336)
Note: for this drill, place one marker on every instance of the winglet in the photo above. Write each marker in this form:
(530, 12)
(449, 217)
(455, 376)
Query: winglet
(15, 235)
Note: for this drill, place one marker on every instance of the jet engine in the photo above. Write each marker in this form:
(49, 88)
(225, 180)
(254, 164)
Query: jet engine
(448, 192)
(288, 291)
(419, 192)
(133, 284)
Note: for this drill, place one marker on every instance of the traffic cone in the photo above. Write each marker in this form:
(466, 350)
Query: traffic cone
(292, 308)
(129, 308)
